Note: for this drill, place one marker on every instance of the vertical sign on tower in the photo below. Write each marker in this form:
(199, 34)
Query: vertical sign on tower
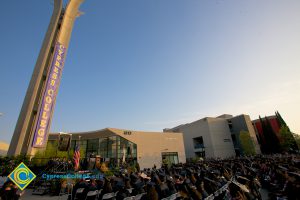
(47, 103)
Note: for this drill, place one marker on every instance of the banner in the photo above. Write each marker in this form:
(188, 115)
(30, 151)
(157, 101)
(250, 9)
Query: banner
(64, 142)
(48, 99)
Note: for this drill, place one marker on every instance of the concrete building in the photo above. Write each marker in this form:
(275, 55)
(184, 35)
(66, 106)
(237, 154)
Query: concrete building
(208, 137)
(242, 123)
(33, 125)
(118, 145)
(268, 129)
(3, 148)
(274, 125)
(215, 137)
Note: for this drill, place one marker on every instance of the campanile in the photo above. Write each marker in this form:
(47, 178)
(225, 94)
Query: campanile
(33, 125)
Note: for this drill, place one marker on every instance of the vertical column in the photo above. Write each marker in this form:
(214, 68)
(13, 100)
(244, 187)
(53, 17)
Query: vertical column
(19, 142)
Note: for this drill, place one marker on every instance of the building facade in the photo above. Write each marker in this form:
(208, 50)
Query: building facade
(216, 137)
(242, 123)
(118, 146)
(274, 134)
(3, 148)
(273, 122)
(33, 125)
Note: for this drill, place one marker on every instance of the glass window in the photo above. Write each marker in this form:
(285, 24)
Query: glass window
(114, 148)
(82, 148)
(92, 147)
(200, 154)
(198, 142)
(169, 158)
(73, 143)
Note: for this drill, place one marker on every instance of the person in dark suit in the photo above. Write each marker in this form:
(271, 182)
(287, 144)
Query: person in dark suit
(9, 191)
(80, 184)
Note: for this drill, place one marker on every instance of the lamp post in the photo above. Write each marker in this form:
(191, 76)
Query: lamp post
(79, 139)
(79, 142)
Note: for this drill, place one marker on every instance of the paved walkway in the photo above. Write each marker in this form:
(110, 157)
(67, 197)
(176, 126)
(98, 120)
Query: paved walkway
(28, 196)
(264, 194)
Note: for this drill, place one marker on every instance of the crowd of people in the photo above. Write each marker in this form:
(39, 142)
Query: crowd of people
(10, 191)
(236, 178)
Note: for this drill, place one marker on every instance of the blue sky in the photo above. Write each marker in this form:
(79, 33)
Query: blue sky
(154, 64)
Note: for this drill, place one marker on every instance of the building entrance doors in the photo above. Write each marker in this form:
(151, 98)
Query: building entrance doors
(169, 158)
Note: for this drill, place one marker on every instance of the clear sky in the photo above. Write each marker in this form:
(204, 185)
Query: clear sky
(154, 64)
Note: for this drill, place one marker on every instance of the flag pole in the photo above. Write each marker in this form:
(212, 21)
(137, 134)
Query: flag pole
(69, 148)
(79, 143)
(79, 149)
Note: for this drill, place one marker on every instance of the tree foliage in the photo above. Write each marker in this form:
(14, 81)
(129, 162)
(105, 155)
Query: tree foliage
(246, 143)
(297, 139)
(287, 139)
(271, 141)
(42, 156)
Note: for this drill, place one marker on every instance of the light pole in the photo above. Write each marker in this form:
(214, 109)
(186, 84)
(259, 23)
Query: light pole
(79, 139)
(79, 142)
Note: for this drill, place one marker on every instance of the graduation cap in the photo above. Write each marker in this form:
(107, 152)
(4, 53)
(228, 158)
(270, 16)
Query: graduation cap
(295, 175)
(210, 180)
(179, 181)
(176, 176)
(242, 179)
(241, 186)
(183, 173)
(190, 170)
(252, 170)
(216, 172)
(187, 181)
(148, 173)
(117, 174)
(144, 176)
(133, 177)
(282, 168)
(117, 179)
(222, 178)
(138, 184)
(151, 184)
(120, 184)
(169, 178)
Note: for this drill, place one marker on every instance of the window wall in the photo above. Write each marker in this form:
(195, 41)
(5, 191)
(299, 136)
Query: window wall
(198, 142)
(116, 149)
(92, 147)
(170, 158)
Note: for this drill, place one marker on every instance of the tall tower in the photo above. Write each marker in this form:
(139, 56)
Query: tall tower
(31, 131)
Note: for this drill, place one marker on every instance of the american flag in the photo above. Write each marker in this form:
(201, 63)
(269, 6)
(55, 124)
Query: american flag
(76, 157)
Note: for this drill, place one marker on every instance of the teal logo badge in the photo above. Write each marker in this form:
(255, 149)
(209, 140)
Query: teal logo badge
(22, 176)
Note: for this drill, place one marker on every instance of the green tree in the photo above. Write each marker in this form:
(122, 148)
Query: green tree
(42, 156)
(246, 143)
(280, 119)
(287, 139)
(297, 139)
